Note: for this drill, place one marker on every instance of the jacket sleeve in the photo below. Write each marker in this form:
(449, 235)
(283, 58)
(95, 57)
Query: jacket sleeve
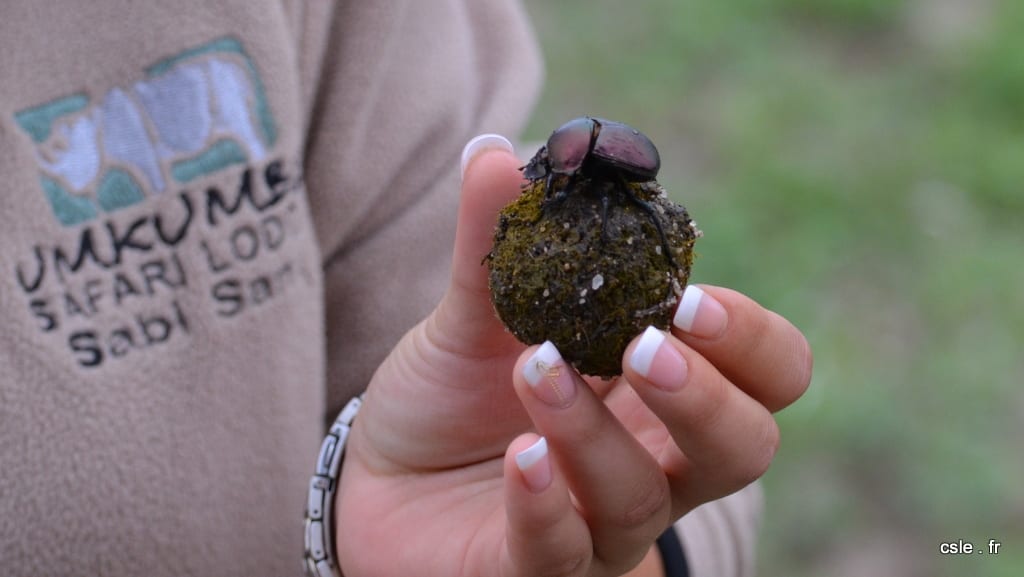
(396, 90)
(720, 538)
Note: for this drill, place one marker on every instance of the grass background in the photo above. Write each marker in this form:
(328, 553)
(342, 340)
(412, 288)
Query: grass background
(858, 166)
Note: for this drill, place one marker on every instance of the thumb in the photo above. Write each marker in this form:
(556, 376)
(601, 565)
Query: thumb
(490, 180)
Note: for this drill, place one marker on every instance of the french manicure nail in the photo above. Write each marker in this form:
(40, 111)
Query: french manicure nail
(657, 361)
(481, 143)
(700, 314)
(533, 463)
(549, 377)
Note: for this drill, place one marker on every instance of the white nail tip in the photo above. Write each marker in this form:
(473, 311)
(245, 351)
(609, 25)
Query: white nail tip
(540, 363)
(646, 348)
(687, 310)
(479, 144)
(531, 455)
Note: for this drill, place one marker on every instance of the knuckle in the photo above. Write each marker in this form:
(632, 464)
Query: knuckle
(762, 456)
(806, 366)
(797, 377)
(573, 565)
(648, 501)
(796, 363)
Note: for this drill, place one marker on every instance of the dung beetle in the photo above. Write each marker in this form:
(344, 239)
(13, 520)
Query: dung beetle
(588, 143)
(603, 150)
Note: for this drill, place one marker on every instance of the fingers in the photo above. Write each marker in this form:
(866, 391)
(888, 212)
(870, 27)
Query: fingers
(754, 348)
(724, 439)
(712, 383)
(618, 486)
(545, 533)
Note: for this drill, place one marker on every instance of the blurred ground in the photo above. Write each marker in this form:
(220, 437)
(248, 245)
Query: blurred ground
(858, 166)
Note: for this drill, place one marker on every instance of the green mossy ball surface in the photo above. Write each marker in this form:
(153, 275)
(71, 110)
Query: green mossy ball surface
(558, 273)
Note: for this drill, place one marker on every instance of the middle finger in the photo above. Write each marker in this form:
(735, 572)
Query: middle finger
(618, 485)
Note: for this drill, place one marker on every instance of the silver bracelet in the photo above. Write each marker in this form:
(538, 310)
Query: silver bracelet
(319, 558)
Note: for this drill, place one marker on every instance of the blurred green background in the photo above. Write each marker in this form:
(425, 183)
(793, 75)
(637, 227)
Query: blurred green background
(858, 166)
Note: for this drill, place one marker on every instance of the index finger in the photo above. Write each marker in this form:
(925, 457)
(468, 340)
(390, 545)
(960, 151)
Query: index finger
(756, 349)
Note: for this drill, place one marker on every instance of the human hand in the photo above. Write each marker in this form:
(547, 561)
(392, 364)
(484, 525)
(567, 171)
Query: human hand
(445, 473)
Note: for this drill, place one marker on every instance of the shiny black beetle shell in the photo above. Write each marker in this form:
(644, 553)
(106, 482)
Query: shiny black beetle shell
(595, 143)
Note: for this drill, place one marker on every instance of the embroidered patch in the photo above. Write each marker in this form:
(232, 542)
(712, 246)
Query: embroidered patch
(191, 115)
(114, 285)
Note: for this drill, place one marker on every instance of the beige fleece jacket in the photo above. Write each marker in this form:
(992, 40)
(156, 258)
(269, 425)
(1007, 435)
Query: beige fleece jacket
(218, 218)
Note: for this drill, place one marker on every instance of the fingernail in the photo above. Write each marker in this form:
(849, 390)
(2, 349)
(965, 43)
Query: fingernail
(549, 377)
(658, 361)
(533, 463)
(481, 143)
(699, 314)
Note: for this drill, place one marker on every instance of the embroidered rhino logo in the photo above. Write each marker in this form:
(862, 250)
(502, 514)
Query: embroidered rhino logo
(193, 114)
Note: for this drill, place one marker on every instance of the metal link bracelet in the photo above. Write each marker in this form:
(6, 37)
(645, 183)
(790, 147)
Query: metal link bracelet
(319, 559)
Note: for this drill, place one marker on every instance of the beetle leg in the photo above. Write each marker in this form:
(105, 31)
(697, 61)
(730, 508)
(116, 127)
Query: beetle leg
(655, 218)
(560, 195)
(547, 185)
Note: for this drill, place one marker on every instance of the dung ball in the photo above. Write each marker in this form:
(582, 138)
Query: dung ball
(589, 270)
